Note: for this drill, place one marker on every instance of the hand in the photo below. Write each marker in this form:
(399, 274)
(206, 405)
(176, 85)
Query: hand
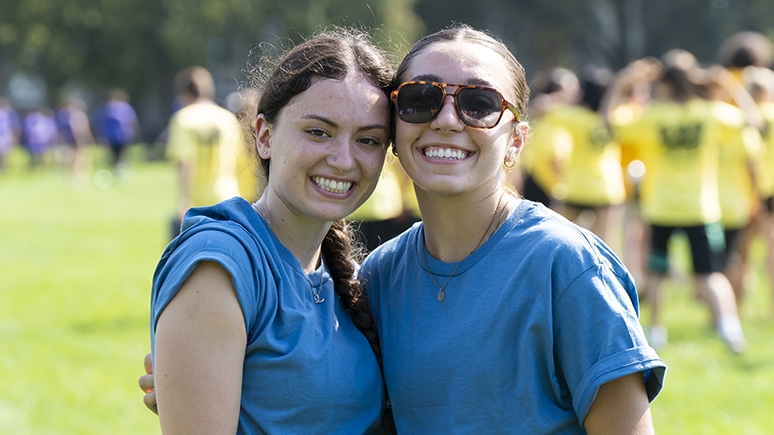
(146, 385)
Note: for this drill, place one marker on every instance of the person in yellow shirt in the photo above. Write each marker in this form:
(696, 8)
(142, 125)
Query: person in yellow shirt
(636, 92)
(760, 82)
(676, 137)
(740, 149)
(205, 140)
(545, 153)
(592, 175)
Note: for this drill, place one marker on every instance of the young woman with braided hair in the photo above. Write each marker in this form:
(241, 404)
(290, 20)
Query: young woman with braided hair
(262, 298)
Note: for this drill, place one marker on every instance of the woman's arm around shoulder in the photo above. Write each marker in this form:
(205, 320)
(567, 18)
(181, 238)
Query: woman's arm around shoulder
(621, 407)
(199, 355)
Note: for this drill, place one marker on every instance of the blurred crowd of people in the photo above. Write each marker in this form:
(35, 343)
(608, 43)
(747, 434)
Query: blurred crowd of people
(67, 130)
(664, 146)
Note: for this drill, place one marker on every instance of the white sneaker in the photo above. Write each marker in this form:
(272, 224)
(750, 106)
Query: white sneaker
(730, 330)
(657, 336)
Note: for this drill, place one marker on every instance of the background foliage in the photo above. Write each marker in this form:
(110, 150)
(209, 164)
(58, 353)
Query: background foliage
(88, 46)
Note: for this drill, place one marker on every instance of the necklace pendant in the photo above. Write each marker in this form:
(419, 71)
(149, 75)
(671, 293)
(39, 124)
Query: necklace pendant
(440, 296)
(318, 299)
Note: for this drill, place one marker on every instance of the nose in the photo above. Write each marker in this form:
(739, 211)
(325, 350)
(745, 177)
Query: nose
(448, 118)
(341, 155)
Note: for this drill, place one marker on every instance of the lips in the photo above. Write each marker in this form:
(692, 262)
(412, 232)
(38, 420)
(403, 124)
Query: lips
(332, 186)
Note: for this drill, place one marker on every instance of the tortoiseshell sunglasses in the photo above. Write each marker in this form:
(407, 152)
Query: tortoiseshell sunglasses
(418, 102)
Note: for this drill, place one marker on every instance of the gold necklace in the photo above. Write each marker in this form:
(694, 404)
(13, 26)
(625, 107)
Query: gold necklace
(441, 295)
(315, 295)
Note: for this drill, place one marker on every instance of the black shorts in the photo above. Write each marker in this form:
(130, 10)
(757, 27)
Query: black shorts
(733, 238)
(707, 244)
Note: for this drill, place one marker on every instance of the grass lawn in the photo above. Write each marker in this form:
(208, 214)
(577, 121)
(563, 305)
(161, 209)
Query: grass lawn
(709, 390)
(75, 271)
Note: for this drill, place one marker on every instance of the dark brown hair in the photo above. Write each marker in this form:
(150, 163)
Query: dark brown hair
(333, 53)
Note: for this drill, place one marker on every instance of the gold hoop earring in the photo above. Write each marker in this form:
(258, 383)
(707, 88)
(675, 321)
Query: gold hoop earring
(510, 161)
(394, 151)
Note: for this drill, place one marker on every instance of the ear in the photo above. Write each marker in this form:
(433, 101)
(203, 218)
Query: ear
(520, 132)
(263, 136)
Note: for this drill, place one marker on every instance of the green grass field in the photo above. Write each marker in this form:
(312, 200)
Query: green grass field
(75, 271)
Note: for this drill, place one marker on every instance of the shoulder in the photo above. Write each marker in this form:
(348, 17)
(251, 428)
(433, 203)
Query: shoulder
(226, 234)
(547, 240)
(225, 228)
(536, 221)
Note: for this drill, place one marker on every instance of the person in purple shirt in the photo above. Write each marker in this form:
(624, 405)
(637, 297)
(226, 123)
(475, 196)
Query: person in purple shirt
(117, 125)
(10, 130)
(38, 134)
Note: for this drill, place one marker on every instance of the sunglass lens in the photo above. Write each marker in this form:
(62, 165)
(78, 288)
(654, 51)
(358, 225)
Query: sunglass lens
(479, 107)
(419, 103)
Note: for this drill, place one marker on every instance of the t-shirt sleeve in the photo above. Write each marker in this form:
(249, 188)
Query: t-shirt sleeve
(221, 247)
(599, 338)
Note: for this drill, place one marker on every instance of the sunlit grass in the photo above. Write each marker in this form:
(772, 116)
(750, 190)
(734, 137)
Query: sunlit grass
(75, 270)
(708, 389)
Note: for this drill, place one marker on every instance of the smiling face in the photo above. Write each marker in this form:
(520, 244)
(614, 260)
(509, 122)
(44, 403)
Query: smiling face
(444, 156)
(327, 148)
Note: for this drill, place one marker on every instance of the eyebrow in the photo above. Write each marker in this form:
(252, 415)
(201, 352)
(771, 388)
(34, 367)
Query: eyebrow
(437, 79)
(335, 125)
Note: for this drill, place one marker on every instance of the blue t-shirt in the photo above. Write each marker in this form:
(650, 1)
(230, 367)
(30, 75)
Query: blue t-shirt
(116, 122)
(10, 125)
(307, 368)
(532, 323)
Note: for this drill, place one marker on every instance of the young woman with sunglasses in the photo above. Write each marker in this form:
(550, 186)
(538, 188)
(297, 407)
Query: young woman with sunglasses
(260, 299)
(495, 314)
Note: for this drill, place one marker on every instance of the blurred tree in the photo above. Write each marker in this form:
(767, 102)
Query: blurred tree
(140, 44)
(548, 33)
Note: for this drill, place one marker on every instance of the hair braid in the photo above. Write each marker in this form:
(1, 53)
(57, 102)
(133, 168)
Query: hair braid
(340, 255)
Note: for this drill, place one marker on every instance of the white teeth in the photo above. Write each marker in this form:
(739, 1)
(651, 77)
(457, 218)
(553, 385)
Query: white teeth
(333, 186)
(445, 153)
